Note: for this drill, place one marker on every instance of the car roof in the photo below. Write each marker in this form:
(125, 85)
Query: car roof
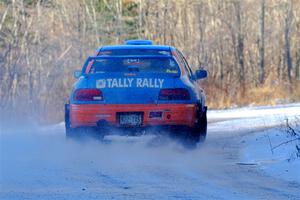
(130, 56)
(125, 46)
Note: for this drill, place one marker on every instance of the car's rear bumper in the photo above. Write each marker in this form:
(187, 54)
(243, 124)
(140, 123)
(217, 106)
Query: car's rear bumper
(172, 114)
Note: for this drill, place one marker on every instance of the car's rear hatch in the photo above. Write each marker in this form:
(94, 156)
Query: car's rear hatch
(131, 88)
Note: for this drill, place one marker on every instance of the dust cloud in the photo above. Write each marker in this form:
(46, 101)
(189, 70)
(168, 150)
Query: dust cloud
(39, 160)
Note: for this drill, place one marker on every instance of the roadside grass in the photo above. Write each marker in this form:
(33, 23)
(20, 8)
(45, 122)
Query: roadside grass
(271, 93)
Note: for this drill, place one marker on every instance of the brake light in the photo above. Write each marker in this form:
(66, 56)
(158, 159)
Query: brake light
(88, 95)
(174, 94)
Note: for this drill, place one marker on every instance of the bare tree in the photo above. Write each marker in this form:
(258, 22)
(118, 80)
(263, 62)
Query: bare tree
(287, 27)
(262, 43)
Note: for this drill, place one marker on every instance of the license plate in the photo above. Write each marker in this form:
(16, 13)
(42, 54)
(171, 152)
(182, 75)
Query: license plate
(130, 119)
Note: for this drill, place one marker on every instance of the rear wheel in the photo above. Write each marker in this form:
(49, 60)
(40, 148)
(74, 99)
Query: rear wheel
(198, 133)
(70, 132)
(79, 132)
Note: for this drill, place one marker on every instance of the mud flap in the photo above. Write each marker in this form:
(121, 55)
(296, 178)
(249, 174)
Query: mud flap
(67, 116)
(199, 132)
(69, 131)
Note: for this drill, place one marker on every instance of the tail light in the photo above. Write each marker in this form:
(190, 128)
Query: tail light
(88, 95)
(174, 94)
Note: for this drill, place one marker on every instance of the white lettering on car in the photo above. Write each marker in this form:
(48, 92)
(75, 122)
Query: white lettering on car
(109, 80)
(114, 83)
(139, 82)
(145, 83)
(129, 82)
(161, 81)
(151, 85)
(120, 83)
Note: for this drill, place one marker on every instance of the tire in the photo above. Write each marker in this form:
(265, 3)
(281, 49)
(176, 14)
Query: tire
(198, 133)
(70, 132)
(77, 133)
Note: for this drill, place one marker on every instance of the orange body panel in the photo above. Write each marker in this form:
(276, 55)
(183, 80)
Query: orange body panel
(172, 114)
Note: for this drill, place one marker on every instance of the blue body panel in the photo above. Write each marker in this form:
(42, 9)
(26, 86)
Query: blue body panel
(128, 91)
(136, 88)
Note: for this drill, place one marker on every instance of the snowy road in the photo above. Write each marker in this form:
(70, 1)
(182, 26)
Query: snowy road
(38, 163)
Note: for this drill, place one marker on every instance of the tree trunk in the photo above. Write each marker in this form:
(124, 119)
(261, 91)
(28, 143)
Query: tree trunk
(288, 56)
(262, 44)
(240, 43)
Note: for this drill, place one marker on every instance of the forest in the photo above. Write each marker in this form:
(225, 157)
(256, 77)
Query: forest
(251, 48)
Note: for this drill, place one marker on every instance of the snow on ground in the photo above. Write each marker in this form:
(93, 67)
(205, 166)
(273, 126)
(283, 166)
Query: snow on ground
(280, 163)
(253, 117)
(267, 112)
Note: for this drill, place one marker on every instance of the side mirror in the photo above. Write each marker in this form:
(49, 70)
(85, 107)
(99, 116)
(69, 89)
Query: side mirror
(200, 74)
(77, 74)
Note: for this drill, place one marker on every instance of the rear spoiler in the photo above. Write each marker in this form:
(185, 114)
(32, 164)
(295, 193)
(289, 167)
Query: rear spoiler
(130, 56)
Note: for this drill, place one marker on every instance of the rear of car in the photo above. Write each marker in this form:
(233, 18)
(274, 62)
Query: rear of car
(133, 85)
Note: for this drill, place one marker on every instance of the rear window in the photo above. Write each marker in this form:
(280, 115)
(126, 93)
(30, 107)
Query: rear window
(125, 52)
(111, 65)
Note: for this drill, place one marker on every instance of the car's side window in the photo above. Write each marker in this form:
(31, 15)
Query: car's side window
(186, 65)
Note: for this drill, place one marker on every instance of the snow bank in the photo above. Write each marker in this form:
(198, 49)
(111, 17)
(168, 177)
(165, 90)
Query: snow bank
(271, 112)
(281, 162)
(257, 147)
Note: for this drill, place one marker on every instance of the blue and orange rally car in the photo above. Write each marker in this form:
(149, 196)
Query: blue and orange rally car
(137, 84)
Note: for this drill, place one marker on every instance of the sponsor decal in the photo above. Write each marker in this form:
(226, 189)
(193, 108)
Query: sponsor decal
(171, 71)
(130, 82)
